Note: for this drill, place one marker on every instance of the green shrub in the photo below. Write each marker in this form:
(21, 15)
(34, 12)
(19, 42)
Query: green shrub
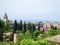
(27, 35)
(35, 33)
(44, 35)
(9, 30)
(42, 42)
(7, 26)
(18, 31)
(4, 43)
(53, 32)
(28, 42)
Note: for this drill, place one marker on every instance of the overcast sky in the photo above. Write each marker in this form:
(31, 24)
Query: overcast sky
(48, 10)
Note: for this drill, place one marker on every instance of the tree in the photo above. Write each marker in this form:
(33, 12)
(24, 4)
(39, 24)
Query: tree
(29, 26)
(1, 30)
(33, 27)
(20, 26)
(38, 25)
(36, 32)
(24, 26)
(15, 26)
(41, 24)
(55, 28)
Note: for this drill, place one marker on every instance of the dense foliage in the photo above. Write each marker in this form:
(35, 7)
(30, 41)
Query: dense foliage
(1, 30)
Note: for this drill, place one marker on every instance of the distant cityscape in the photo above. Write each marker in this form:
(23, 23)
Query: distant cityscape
(46, 25)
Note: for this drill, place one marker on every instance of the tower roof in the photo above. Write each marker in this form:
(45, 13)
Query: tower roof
(5, 15)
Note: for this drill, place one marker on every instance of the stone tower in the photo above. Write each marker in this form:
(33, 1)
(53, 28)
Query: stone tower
(5, 18)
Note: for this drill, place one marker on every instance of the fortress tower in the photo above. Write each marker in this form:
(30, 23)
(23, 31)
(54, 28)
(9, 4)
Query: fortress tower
(5, 18)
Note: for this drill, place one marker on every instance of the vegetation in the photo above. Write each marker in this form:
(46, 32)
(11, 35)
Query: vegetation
(53, 32)
(39, 26)
(20, 25)
(29, 35)
(36, 33)
(7, 26)
(15, 26)
(29, 26)
(1, 30)
(24, 27)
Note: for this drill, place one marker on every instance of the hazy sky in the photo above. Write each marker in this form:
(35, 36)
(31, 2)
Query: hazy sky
(31, 9)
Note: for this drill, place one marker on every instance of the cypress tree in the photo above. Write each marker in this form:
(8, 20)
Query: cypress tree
(39, 26)
(20, 26)
(15, 26)
(29, 26)
(33, 27)
(24, 26)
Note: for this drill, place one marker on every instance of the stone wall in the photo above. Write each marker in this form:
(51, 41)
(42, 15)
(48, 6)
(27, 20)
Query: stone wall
(15, 38)
(47, 26)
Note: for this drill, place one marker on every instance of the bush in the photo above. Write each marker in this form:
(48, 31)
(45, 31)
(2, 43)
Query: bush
(35, 33)
(28, 42)
(53, 32)
(44, 35)
(32, 42)
(18, 31)
(9, 30)
(27, 34)
(7, 26)
(5, 43)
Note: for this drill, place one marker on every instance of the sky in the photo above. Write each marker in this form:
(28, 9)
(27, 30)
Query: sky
(48, 10)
